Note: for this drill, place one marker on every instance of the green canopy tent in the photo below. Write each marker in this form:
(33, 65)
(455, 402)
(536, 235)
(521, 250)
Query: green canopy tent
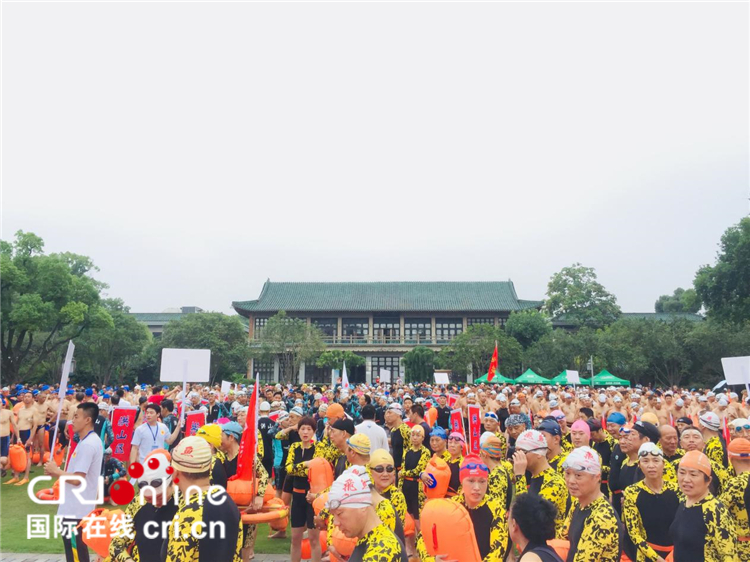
(497, 379)
(562, 379)
(530, 377)
(605, 378)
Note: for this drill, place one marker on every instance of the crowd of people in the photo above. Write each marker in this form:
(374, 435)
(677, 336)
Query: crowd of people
(559, 473)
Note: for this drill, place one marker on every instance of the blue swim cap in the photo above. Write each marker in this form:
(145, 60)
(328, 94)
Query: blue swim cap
(438, 431)
(616, 417)
(89, 392)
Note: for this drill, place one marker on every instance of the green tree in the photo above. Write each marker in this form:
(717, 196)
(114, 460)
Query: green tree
(680, 301)
(708, 342)
(527, 326)
(334, 359)
(473, 350)
(724, 288)
(561, 349)
(107, 353)
(574, 293)
(419, 364)
(224, 335)
(292, 340)
(46, 301)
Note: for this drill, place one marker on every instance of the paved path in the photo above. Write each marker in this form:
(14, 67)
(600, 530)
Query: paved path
(13, 557)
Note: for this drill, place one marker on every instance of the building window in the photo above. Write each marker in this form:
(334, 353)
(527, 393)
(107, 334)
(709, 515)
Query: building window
(329, 327)
(355, 330)
(317, 375)
(448, 328)
(386, 330)
(417, 331)
(263, 371)
(260, 323)
(472, 321)
(384, 362)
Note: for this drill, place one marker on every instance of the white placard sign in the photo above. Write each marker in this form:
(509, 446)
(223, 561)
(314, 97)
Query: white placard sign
(572, 377)
(442, 377)
(736, 369)
(185, 365)
(385, 375)
(225, 387)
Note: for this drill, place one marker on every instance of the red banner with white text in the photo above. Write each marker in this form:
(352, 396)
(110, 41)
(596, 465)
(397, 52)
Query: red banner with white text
(194, 421)
(475, 427)
(123, 425)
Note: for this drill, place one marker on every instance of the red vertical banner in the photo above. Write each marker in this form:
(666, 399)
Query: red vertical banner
(457, 422)
(452, 399)
(123, 426)
(194, 421)
(475, 427)
(248, 444)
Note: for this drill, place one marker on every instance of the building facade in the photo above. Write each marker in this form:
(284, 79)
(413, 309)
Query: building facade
(379, 321)
(155, 321)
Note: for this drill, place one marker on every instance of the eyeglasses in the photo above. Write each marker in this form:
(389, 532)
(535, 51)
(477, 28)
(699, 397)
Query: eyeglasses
(625, 431)
(156, 483)
(475, 466)
(380, 469)
(741, 427)
(647, 453)
(455, 439)
(534, 450)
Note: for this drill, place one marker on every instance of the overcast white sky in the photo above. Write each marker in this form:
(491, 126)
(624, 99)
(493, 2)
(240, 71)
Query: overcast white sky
(194, 150)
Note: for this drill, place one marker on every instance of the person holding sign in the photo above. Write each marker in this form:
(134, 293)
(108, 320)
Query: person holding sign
(151, 435)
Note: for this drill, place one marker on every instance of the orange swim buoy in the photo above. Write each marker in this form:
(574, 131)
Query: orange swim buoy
(100, 535)
(343, 544)
(241, 491)
(17, 457)
(59, 455)
(307, 549)
(447, 529)
(440, 472)
(409, 525)
(281, 523)
(319, 474)
(320, 502)
(560, 546)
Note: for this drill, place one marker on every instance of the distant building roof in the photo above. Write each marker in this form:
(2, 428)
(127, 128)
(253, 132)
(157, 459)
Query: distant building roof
(421, 296)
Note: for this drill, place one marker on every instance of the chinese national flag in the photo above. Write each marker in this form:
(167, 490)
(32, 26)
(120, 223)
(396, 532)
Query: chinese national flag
(493, 366)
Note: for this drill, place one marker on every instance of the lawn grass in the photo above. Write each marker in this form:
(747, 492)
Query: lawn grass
(15, 505)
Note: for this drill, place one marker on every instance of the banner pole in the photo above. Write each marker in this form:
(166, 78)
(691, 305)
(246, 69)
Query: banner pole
(61, 392)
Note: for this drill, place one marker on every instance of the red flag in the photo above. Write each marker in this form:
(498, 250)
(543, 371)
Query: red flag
(194, 421)
(457, 424)
(726, 432)
(248, 443)
(123, 426)
(493, 366)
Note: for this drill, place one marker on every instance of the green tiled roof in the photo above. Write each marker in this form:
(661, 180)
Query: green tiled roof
(454, 296)
(156, 317)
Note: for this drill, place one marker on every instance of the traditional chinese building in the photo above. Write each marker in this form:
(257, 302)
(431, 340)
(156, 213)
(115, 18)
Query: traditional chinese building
(380, 321)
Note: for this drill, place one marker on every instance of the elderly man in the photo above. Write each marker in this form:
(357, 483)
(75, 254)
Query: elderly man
(351, 504)
(670, 443)
(592, 527)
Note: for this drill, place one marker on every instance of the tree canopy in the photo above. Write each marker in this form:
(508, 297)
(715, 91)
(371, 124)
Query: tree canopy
(527, 326)
(335, 359)
(473, 350)
(724, 288)
(419, 365)
(680, 301)
(46, 301)
(575, 293)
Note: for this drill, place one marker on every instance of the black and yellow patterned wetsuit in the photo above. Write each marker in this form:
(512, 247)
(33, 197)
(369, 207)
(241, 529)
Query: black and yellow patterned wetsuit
(399, 444)
(551, 486)
(183, 544)
(554, 462)
(218, 474)
(140, 547)
(415, 461)
(379, 545)
(499, 485)
(454, 486)
(397, 499)
(716, 450)
(704, 531)
(301, 513)
(605, 449)
(327, 450)
(736, 498)
(593, 532)
(647, 517)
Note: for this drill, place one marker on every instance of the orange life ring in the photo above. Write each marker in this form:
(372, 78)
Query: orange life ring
(277, 524)
(319, 474)
(265, 515)
(447, 529)
(46, 495)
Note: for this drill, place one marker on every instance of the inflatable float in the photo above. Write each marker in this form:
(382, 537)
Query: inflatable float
(447, 529)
